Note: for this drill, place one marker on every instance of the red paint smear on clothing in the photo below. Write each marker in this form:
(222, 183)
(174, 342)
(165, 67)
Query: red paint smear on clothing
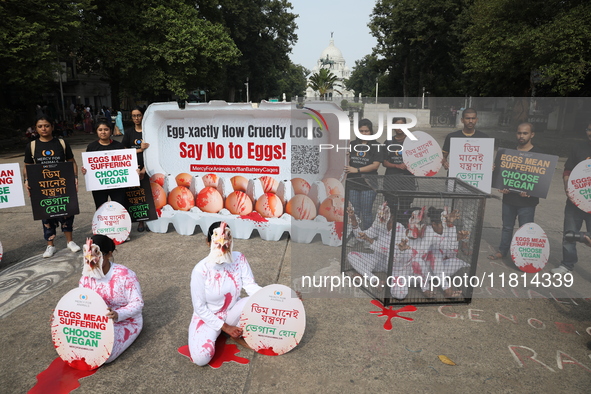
(267, 352)
(60, 378)
(227, 301)
(254, 216)
(338, 227)
(390, 313)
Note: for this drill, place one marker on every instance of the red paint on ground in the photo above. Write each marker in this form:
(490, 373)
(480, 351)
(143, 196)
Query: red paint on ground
(225, 353)
(254, 216)
(390, 313)
(267, 352)
(59, 378)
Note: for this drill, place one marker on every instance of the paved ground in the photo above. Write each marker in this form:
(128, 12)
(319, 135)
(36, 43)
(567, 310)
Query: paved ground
(514, 342)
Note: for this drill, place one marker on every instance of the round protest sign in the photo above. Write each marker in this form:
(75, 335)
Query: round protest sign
(81, 332)
(273, 320)
(112, 220)
(530, 248)
(422, 157)
(579, 186)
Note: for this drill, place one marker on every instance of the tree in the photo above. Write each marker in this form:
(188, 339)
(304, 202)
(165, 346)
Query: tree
(508, 41)
(363, 77)
(322, 82)
(264, 32)
(33, 34)
(419, 41)
(292, 81)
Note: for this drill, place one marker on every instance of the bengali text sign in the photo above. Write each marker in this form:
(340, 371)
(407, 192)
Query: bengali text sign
(471, 160)
(53, 190)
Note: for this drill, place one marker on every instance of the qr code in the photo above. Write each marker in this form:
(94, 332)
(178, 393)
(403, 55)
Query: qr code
(305, 159)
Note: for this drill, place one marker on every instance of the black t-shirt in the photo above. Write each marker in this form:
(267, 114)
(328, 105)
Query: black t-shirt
(579, 153)
(361, 158)
(48, 152)
(513, 198)
(395, 157)
(460, 134)
(96, 146)
(133, 139)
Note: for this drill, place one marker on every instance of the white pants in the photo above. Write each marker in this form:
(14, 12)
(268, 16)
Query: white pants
(202, 337)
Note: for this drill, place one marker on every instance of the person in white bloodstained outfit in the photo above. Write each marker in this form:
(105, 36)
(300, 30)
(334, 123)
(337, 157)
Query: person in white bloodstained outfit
(119, 288)
(216, 282)
(437, 251)
(378, 237)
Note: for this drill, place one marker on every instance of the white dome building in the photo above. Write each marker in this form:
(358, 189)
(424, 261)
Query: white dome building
(332, 58)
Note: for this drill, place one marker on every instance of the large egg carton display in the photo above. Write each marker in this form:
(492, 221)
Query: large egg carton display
(232, 162)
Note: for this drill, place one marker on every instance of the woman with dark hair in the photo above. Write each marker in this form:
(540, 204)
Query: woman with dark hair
(48, 150)
(134, 138)
(105, 142)
(216, 283)
(119, 288)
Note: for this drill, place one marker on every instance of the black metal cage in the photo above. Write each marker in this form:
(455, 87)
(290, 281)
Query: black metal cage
(412, 240)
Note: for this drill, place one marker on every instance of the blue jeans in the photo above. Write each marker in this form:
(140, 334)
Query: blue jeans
(362, 201)
(573, 221)
(510, 213)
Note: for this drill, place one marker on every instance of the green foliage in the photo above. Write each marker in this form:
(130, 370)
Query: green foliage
(322, 82)
(363, 77)
(507, 40)
(292, 81)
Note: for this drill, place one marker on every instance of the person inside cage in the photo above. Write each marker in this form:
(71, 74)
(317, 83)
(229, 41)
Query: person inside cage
(378, 238)
(437, 249)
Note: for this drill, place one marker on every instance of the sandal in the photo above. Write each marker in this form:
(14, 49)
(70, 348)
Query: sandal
(496, 256)
(141, 227)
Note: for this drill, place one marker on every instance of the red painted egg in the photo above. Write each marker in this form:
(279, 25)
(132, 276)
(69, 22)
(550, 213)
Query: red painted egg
(238, 203)
(301, 207)
(300, 186)
(158, 178)
(210, 180)
(158, 194)
(210, 200)
(269, 184)
(332, 208)
(181, 199)
(269, 206)
(333, 186)
(239, 183)
(183, 179)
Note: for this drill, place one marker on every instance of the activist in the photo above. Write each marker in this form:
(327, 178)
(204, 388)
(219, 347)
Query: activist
(573, 215)
(516, 205)
(133, 138)
(469, 119)
(119, 288)
(378, 238)
(47, 150)
(364, 158)
(394, 163)
(216, 282)
(105, 143)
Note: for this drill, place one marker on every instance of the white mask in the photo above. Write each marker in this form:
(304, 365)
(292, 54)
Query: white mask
(221, 245)
(93, 260)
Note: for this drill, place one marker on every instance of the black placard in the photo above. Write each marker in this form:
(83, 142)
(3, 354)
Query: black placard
(527, 172)
(140, 203)
(53, 190)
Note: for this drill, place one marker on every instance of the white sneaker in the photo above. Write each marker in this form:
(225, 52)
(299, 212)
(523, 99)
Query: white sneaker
(73, 247)
(50, 251)
(560, 270)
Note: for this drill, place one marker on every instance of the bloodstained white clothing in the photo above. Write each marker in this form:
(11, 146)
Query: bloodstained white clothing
(215, 291)
(120, 289)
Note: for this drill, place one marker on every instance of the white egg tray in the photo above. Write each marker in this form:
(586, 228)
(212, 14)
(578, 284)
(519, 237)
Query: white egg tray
(300, 231)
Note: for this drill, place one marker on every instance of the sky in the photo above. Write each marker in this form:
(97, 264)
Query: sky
(348, 20)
